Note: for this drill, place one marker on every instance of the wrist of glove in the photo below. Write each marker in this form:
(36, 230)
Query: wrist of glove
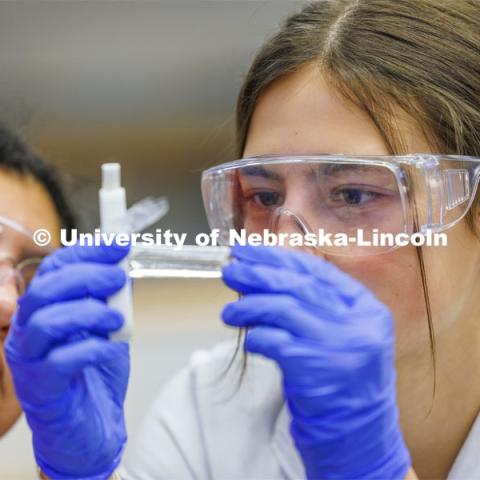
(334, 343)
(46, 473)
(42, 476)
(353, 436)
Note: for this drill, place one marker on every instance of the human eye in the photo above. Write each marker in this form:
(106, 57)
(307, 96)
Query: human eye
(265, 199)
(356, 196)
(258, 205)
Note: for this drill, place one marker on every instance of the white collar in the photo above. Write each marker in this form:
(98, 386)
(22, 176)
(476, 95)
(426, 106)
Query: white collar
(467, 464)
(465, 467)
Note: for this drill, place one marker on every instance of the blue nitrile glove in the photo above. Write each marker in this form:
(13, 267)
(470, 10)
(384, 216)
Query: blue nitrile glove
(70, 379)
(334, 343)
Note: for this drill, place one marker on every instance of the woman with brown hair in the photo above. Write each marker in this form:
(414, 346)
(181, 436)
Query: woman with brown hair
(356, 115)
(363, 77)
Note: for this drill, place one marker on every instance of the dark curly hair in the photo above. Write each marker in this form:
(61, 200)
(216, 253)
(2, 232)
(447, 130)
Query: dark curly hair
(17, 157)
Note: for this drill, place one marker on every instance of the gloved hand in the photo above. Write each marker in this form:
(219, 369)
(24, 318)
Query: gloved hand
(334, 343)
(70, 379)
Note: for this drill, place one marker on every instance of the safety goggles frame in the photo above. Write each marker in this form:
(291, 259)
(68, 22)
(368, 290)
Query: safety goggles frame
(21, 270)
(450, 181)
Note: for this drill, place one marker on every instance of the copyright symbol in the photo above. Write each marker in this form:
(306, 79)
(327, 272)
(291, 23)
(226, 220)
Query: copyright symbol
(42, 237)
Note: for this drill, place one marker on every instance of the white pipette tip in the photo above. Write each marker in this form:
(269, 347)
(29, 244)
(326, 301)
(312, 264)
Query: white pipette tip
(111, 176)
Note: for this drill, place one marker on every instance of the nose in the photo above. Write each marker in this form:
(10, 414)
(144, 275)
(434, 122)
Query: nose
(8, 303)
(285, 220)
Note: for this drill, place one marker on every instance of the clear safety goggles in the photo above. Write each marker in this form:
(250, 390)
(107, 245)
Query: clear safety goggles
(341, 196)
(20, 256)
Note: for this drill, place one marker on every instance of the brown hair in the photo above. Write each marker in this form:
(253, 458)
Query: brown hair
(420, 56)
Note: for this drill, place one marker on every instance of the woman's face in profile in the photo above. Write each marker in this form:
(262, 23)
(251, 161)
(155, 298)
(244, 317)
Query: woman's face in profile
(302, 114)
(25, 201)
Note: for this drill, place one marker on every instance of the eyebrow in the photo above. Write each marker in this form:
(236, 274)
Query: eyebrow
(329, 169)
(332, 169)
(324, 169)
(260, 171)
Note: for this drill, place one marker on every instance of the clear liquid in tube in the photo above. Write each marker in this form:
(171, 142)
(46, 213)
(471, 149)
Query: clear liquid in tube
(189, 261)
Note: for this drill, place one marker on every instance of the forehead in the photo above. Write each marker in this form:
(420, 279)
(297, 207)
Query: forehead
(302, 114)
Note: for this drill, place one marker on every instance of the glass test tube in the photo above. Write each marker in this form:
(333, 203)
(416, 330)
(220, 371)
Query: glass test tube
(190, 261)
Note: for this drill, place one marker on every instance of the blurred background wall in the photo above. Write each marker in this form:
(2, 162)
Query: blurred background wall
(151, 84)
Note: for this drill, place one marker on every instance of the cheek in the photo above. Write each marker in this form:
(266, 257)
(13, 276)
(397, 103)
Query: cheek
(396, 281)
(454, 280)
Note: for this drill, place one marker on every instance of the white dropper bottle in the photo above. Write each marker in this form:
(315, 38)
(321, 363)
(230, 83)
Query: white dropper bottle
(113, 208)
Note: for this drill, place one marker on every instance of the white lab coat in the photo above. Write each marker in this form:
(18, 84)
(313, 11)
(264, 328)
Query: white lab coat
(206, 424)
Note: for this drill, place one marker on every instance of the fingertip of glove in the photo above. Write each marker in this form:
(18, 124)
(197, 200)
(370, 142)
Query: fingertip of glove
(227, 271)
(122, 248)
(232, 275)
(247, 251)
(115, 252)
(119, 276)
(227, 313)
(116, 319)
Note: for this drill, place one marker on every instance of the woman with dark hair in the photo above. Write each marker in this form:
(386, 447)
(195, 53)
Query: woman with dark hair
(31, 198)
(357, 116)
